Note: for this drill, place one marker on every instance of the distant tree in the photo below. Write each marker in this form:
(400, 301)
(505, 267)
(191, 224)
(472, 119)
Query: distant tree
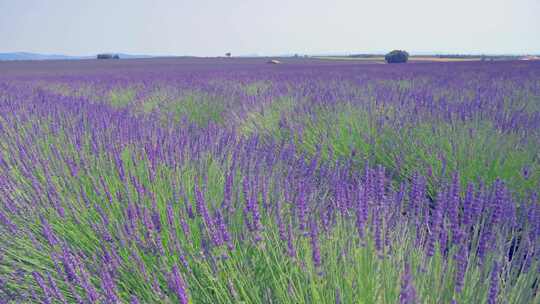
(108, 56)
(228, 54)
(397, 56)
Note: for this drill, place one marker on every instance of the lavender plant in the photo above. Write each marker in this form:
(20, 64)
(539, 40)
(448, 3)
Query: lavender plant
(190, 181)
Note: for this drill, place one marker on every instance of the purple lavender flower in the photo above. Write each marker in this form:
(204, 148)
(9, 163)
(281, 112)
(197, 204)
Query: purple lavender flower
(185, 226)
(103, 216)
(134, 300)
(416, 195)
(106, 189)
(338, 296)
(497, 203)
(377, 230)
(435, 227)
(251, 207)
(48, 232)
(223, 230)
(443, 240)
(4, 220)
(88, 287)
(381, 181)
(280, 223)
(478, 205)
(41, 282)
(301, 206)
(170, 217)
(316, 251)
(176, 283)
(484, 244)
(203, 212)
(156, 220)
(290, 245)
(69, 265)
(361, 212)
(53, 199)
(407, 294)
(453, 204)
(147, 221)
(200, 204)
(54, 287)
(227, 192)
(468, 205)
(461, 259)
(494, 285)
(108, 285)
(256, 216)
(526, 172)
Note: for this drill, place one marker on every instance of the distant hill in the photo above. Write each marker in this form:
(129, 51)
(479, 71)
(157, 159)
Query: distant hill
(37, 56)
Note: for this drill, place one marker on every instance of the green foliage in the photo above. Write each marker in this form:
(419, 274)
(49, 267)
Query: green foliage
(266, 120)
(397, 56)
(257, 87)
(120, 98)
(435, 149)
(196, 107)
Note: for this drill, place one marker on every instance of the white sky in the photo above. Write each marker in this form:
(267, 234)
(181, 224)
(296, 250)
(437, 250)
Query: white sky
(209, 28)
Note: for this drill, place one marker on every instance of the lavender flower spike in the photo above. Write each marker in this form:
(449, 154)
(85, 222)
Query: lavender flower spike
(176, 283)
(408, 292)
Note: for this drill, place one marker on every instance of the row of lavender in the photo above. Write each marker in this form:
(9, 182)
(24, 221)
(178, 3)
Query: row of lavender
(100, 204)
(480, 119)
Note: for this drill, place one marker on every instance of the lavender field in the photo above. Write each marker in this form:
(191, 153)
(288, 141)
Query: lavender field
(234, 181)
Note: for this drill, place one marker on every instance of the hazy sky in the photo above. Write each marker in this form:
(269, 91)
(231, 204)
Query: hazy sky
(209, 28)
